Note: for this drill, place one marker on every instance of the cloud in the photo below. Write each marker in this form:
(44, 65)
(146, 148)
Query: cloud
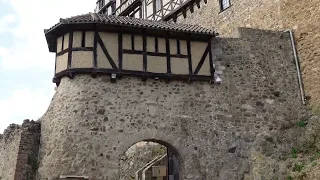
(23, 104)
(6, 21)
(28, 51)
(31, 17)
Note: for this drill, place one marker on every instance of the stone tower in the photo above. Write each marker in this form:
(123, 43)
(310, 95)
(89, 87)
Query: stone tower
(122, 80)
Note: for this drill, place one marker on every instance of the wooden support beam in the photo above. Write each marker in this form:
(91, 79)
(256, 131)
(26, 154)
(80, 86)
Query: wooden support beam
(144, 44)
(168, 56)
(70, 49)
(105, 51)
(120, 51)
(203, 58)
(189, 57)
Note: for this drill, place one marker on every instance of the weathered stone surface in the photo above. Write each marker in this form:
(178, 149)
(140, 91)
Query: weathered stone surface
(19, 151)
(278, 15)
(211, 126)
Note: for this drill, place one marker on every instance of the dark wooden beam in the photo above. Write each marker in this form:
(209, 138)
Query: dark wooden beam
(62, 43)
(120, 51)
(72, 72)
(127, 51)
(212, 69)
(105, 51)
(132, 42)
(83, 42)
(156, 44)
(203, 58)
(184, 12)
(95, 46)
(189, 56)
(144, 44)
(168, 56)
(178, 47)
(75, 49)
(198, 3)
(70, 49)
(191, 7)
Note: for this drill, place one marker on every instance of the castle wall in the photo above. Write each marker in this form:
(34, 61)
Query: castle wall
(9, 153)
(19, 151)
(301, 16)
(91, 122)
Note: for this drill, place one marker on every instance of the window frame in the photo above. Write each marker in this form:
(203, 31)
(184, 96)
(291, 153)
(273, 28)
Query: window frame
(222, 8)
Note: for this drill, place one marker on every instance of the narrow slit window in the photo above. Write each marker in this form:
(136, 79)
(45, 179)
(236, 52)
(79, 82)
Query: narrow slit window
(224, 4)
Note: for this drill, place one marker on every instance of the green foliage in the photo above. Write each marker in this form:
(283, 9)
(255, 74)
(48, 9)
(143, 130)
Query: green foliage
(314, 164)
(159, 150)
(301, 123)
(298, 167)
(294, 152)
(289, 178)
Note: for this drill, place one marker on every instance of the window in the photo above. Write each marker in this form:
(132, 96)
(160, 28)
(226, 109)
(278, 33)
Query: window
(224, 4)
(158, 5)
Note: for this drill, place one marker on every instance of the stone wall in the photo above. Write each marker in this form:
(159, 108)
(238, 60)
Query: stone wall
(91, 122)
(19, 151)
(279, 15)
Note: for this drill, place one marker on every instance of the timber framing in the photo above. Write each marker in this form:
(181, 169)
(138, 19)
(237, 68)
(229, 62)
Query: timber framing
(167, 55)
(148, 9)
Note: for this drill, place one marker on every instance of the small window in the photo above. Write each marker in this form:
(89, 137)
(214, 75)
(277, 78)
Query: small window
(158, 4)
(224, 4)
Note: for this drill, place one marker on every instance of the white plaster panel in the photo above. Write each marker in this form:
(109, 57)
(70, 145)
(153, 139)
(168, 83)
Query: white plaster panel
(179, 66)
(138, 45)
(132, 62)
(62, 62)
(102, 61)
(110, 41)
(82, 59)
(66, 41)
(173, 46)
(157, 64)
(162, 45)
(197, 50)
(151, 44)
(77, 39)
(59, 44)
(126, 39)
(89, 39)
(205, 69)
(183, 47)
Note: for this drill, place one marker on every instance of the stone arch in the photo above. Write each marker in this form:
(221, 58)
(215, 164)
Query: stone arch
(166, 140)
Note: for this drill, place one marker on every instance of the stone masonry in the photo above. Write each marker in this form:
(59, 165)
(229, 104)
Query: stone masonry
(279, 15)
(91, 122)
(19, 151)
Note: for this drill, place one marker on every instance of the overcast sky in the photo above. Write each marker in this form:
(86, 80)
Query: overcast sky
(26, 66)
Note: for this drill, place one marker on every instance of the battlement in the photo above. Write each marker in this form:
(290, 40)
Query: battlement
(15, 129)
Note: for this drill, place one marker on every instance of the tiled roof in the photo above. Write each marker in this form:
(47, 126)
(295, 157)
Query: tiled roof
(132, 22)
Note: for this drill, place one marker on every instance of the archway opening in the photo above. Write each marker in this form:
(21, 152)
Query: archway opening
(149, 160)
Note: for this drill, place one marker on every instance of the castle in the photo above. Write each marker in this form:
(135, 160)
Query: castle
(204, 84)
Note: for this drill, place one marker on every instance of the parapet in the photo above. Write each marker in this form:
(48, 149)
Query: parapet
(13, 129)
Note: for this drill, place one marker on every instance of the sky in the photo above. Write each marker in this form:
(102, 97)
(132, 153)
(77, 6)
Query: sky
(26, 66)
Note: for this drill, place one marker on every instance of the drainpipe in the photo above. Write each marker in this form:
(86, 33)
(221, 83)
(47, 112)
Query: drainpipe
(303, 98)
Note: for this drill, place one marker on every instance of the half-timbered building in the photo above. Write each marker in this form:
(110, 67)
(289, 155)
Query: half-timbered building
(116, 45)
(148, 9)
